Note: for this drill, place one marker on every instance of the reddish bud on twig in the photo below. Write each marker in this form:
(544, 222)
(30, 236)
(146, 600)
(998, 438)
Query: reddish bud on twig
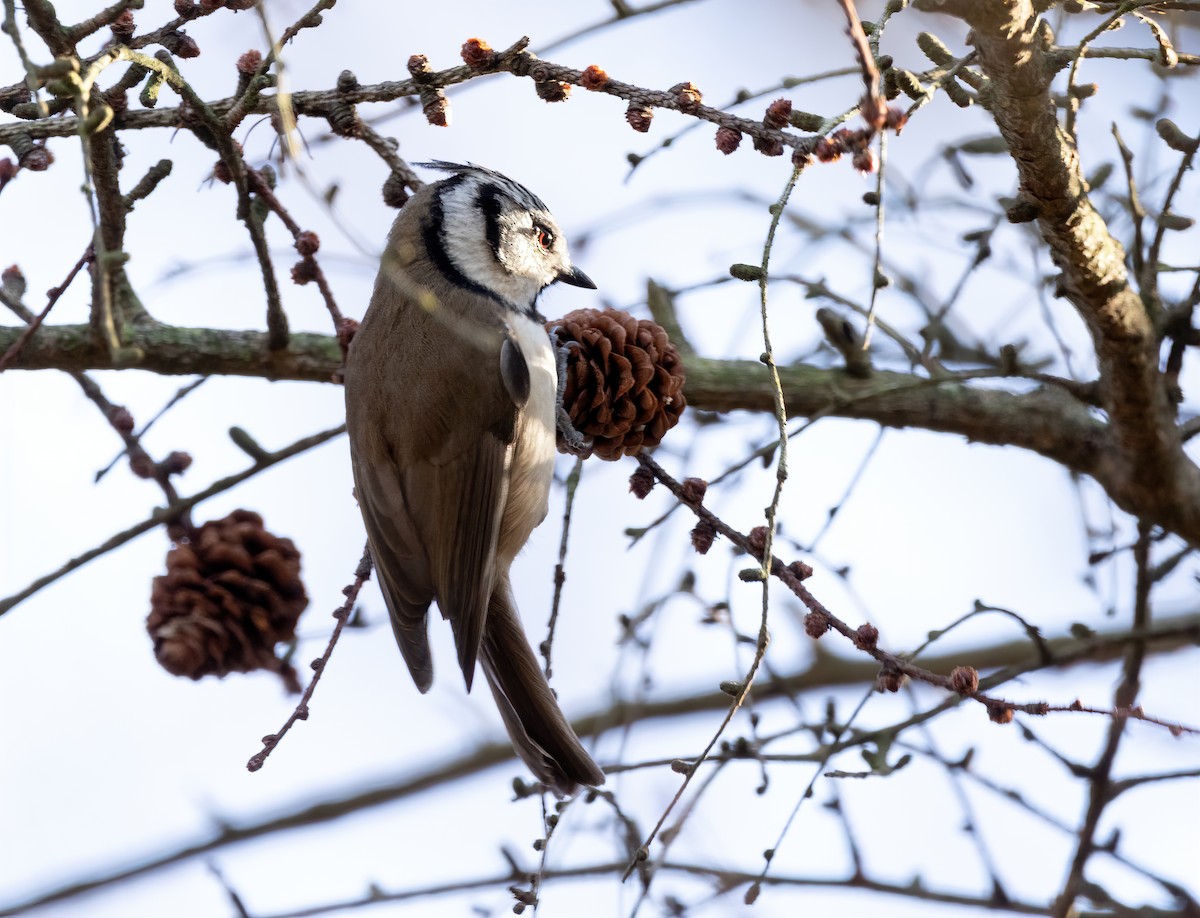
(849, 141)
(307, 243)
(175, 463)
(800, 570)
(12, 277)
(211, 6)
(478, 54)
(768, 147)
(757, 540)
(728, 139)
(866, 637)
(1000, 713)
(122, 27)
(639, 117)
(687, 96)
(249, 62)
(552, 90)
(594, 78)
(693, 490)
(304, 271)
(826, 151)
(816, 624)
(964, 680)
(437, 109)
(122, 420)
(7, 170)
(896, 119)
(864, 161)
(141, 465)
(181, 44)
(641, 482)
(778, 114)
(185, 8)
(873, 111)
(418, 66)
(703, 536)
(889, 679)
(346, 330)
(36, 159)
(221, 170)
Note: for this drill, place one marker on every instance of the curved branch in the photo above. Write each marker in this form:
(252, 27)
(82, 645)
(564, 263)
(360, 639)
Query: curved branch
(1145, 469)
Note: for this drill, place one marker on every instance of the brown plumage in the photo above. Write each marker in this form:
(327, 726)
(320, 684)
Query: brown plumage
(450, 411)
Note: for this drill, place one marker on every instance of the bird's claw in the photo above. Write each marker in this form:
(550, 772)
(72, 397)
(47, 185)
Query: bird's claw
(575, 441)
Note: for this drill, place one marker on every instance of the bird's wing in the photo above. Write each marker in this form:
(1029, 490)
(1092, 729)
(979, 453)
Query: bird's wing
(401, 565)
(455, 508)
(432, 422)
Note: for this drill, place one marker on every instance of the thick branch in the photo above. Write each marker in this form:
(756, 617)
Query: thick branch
(1047, 421)
(176, 351)
(1147, 472)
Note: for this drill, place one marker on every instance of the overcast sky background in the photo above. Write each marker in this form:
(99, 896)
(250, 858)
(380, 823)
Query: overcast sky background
(105, 760)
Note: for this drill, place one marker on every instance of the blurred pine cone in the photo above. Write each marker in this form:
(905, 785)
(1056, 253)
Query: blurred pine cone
(230, 594)
(624, 382)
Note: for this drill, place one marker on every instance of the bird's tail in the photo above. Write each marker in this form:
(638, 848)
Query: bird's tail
(539, 731)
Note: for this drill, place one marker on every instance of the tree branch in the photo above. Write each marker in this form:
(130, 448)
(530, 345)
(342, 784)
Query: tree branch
(1046, 420)
(1147, 473)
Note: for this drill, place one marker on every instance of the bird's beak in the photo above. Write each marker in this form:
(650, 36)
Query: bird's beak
(577, 278)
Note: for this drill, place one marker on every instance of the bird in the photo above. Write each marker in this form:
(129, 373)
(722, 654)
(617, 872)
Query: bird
(450, 384)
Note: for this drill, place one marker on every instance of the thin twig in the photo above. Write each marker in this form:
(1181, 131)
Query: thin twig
(34, 322)
(1101, 773)
(772, 509)
(172, 511)
(877, 277)
(792, 575)
(180, 394)
(341, 614)
(830, 749)
(560, 575)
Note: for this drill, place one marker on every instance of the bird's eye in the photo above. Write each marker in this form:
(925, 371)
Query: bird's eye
(545, 238)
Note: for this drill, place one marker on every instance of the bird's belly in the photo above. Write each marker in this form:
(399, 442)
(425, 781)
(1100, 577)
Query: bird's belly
(532, 466)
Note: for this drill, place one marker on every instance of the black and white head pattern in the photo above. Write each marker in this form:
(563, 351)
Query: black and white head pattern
(494, 236)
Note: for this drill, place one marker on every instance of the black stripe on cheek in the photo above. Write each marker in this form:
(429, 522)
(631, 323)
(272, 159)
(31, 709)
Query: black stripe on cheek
(489, 206)
(433, 234)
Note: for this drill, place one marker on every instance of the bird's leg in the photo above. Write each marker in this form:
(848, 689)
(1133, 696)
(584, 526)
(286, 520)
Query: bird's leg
(577, 442)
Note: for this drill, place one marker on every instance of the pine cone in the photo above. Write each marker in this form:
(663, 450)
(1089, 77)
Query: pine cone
(230, 594)
(624, 385)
